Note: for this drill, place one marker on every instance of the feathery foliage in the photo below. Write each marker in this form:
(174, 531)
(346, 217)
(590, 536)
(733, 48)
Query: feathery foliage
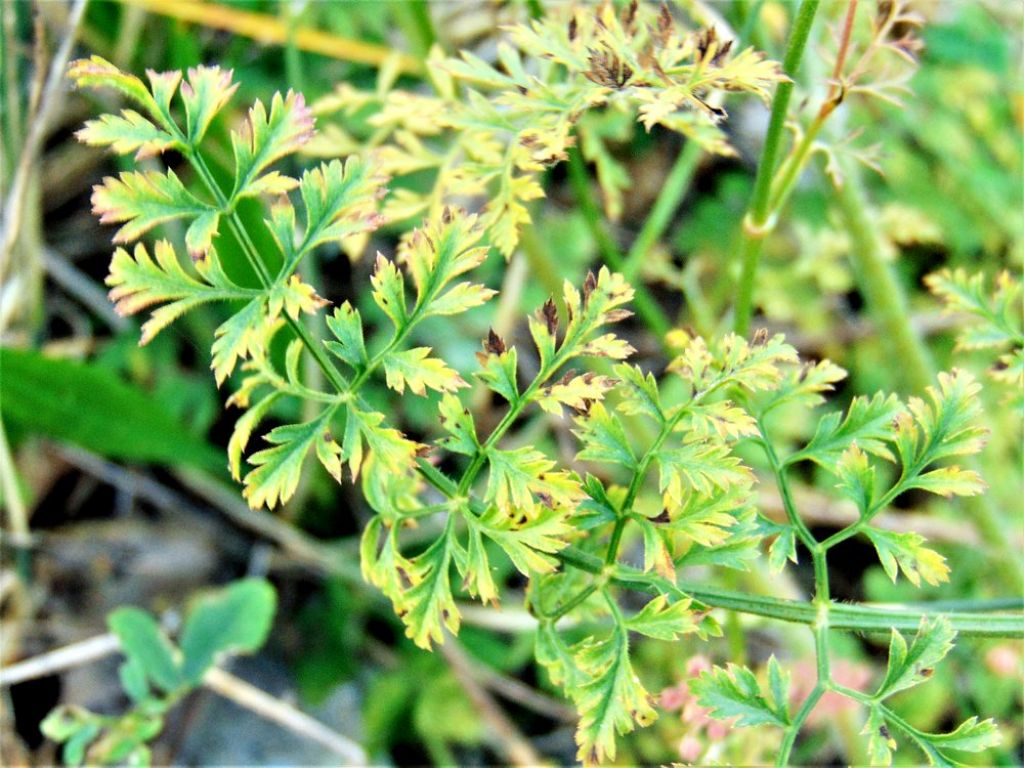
(655, 464)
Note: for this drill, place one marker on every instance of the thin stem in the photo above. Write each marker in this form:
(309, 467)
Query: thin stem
(572, 603)
(756, 223)
(789, 737)
(253, 257)
(673, 189)
(17, 512)
(802, 531)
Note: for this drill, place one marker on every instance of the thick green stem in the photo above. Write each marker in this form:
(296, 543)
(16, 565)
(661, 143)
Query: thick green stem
(757, 222)
(841, 616)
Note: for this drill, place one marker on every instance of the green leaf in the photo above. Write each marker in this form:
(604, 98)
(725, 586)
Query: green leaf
(340, 201)
(611, 701)
(88, 405)
(735, 692)
(133, 679)
(265, 139)
(142, 200)
(126, 133)
(906, 551)
(417, 370)
(137, 281)
(277, 470)
(347, 328)
(603, 438)
(639, 393)
(75, 750)
(235, 619)
(910, 666)
(664, 621)
(146, 646)
(856, 478)
(783, 548)
(868, 423)
(556, 657)
(778, 685)
(971, 735)
(657, 548)
(457, 421)
(499, 373)
(204, 93)
(242, 335)
(881, 744)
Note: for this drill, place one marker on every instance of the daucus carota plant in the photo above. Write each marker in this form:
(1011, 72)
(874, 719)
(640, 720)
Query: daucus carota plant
(656, 465)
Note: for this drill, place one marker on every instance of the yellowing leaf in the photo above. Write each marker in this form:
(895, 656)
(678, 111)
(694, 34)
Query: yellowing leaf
(142, 200)
(294, 297)
(265, 139)
(205, 92)
(137, 281)
(519, 478)
(126, 133)
(417, 370)
(96, 72)
(577, 392)
(277, 469)
(340, 201)
(906, 551)
(612, 701)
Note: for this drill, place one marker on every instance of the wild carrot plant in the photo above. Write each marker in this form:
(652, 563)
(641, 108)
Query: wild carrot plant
(667, 462)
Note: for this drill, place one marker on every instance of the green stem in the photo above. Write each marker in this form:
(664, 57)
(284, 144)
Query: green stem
(841, 616)
(887, 305)
(802, 531)
(876, 280)
(757, 222)
(789, 738)
(256, 263)
(647, 308)
(672, 191)
(573, 602)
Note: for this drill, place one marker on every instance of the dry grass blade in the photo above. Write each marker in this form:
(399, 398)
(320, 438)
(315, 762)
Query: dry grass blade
(270, 30)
